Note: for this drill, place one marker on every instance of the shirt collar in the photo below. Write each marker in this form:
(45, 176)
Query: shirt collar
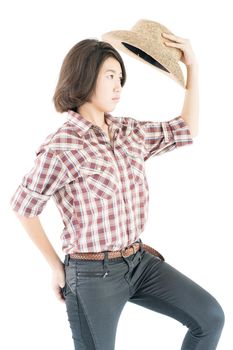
(83, 125)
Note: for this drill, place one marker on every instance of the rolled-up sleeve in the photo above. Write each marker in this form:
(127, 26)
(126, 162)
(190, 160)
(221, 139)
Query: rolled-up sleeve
(161, 137)
(46, 177)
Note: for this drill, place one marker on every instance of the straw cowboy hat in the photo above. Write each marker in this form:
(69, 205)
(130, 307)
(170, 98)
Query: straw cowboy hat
(145, 43)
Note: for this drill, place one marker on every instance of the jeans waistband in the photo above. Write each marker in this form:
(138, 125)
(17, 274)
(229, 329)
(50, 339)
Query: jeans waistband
(106, 258)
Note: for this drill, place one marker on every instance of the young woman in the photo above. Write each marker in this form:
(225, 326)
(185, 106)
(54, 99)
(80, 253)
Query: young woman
(93, 166)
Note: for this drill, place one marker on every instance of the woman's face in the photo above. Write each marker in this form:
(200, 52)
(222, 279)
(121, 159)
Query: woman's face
(108, 85)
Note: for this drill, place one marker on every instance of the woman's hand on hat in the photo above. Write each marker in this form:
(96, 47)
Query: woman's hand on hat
(188, 56)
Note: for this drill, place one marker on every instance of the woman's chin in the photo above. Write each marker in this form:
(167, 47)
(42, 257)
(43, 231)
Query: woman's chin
(110, 109)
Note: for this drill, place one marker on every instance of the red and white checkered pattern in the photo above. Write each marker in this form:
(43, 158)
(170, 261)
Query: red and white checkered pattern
(100, 189)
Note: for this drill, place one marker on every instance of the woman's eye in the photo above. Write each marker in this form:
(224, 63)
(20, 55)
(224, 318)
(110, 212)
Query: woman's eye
(111, 75)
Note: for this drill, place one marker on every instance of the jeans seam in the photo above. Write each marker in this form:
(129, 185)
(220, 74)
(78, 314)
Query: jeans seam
(85, 312)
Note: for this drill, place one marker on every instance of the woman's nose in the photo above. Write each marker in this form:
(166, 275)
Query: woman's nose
(118, 85)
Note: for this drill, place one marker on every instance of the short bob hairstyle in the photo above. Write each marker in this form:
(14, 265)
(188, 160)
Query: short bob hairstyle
(79, 72)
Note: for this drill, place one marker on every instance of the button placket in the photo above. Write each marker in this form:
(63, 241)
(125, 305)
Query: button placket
(116, 167)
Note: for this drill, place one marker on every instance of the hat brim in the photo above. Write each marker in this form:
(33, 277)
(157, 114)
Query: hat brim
(137, 46)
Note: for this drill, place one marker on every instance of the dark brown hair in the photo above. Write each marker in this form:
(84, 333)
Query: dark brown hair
(79, 72)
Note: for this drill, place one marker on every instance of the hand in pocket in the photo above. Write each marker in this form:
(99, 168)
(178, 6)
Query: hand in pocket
(58, 282)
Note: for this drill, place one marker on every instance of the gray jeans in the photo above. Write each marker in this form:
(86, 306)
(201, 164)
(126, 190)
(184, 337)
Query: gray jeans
(96, 292)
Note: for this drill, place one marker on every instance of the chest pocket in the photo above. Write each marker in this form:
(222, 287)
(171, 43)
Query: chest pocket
(136, 162)
(99, 176)
(133, 148)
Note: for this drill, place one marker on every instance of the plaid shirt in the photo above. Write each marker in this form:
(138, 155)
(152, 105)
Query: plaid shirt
(99, 188)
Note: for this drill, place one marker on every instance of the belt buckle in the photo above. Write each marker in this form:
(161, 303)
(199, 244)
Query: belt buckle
(134, 251)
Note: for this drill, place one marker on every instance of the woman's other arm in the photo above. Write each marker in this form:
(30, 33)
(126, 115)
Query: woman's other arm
(34, 229)
(190, 111)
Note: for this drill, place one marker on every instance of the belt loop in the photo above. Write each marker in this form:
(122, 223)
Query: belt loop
(141, 245)
(67, 258)
(141, 248)
(106, 271)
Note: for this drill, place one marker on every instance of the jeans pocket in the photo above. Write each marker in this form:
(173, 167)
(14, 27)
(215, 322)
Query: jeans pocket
(70, 280)
(63, 290)
(89, 274)
(89, 278)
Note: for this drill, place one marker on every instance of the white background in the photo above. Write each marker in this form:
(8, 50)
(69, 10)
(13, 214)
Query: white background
(190, 188)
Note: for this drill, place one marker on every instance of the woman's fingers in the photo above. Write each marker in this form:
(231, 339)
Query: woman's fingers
(174, 37)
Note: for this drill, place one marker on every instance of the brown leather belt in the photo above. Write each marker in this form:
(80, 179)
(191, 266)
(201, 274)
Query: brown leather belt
(132, 249)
